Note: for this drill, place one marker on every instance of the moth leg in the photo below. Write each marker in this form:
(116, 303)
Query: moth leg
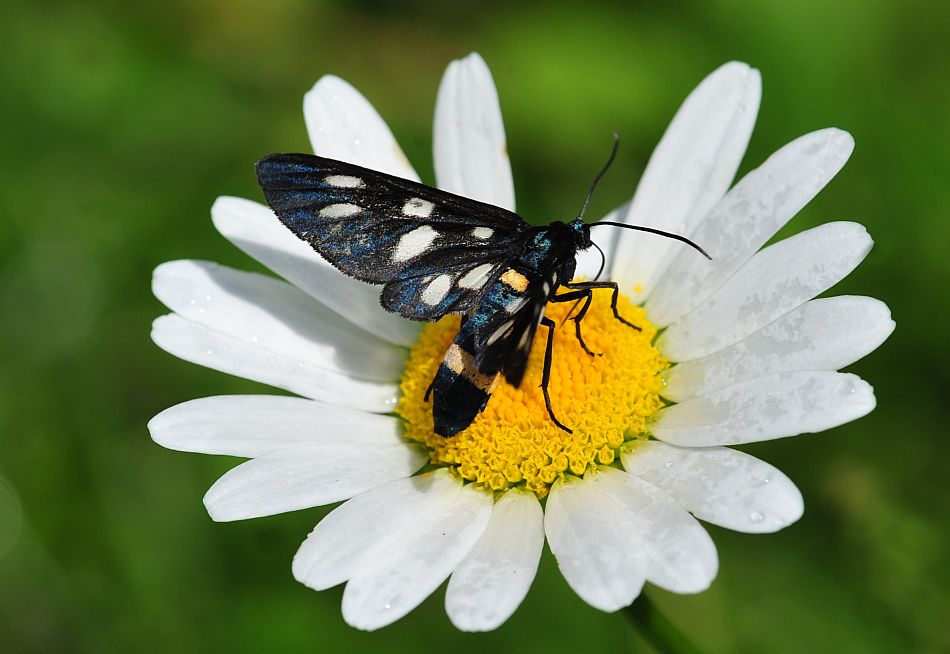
(613, 296)
(429, 390)
(587, 296)
(546, 373)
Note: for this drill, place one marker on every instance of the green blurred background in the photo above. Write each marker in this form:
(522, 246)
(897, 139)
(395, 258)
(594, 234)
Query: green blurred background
(123, 122)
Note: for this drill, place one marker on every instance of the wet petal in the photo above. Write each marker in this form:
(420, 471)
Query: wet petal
(681, 556)
(377, 597)
(494, 578)
(688, 173)
(304, 476)
(207, 347)
(783, 404)
(592, 541)
(368, 531)
(776, 280)
(255, 229)
(719, 485)
(254, 425)
(750, 214)
(823, 334)
(273, 316)
(343, 125)
(469, 148)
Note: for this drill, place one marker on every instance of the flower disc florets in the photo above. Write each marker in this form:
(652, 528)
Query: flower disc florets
(606, 400)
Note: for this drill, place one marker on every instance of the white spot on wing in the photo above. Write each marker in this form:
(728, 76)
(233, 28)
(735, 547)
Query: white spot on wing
(414, 243)
(342, 210)
(482, 232)
(501, 331)
(418, 207)
(437, 289)
(343, 181)
(523, 340)
(516, 304)
(476, 277)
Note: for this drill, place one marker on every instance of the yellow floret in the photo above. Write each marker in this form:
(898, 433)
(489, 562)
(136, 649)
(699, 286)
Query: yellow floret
(605, 399)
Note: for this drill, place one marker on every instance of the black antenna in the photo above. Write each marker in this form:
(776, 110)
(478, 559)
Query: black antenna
(603, 171)
(659, 232)
(603, 261)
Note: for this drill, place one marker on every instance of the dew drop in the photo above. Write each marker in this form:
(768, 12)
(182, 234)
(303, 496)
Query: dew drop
(388, 606)
(253, 339)
(756, 516)
(209, 352)
(668, 464)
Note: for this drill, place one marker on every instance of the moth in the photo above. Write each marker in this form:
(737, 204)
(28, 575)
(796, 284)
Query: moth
(437, 253)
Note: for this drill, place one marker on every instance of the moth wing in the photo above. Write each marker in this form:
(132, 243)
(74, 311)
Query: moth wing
(503, 342)
(433, 289)
(374, 226)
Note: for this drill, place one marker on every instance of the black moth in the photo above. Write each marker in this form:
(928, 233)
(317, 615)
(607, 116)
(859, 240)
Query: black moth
(438, 253)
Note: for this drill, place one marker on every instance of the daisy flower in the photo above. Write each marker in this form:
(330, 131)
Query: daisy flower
(732, 351)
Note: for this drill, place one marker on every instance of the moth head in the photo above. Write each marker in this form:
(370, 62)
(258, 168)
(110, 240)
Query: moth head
(581, 233)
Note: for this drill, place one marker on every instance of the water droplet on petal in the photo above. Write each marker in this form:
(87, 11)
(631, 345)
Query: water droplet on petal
(756, 516)
(668, 464)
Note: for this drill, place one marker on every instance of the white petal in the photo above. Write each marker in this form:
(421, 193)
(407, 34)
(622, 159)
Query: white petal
(395, 543)
(254, 425)
(750, 214)
(719, 485)
(494, 578)
(206, 347)
(824, 334)
(681, 556)
(776, 280)
(368, 531)
(688, 173)
(274, 316)
(255, 229)
(592, 538)
(377, 597)
(471, 155)
(589, 261)
(783, 404)
(304, 476)
(343, 125)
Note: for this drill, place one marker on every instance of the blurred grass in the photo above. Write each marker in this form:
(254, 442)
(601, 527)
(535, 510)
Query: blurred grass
(122, 124)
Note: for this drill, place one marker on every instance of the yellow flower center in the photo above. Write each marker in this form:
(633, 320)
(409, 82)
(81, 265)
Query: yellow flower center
(606, 401)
